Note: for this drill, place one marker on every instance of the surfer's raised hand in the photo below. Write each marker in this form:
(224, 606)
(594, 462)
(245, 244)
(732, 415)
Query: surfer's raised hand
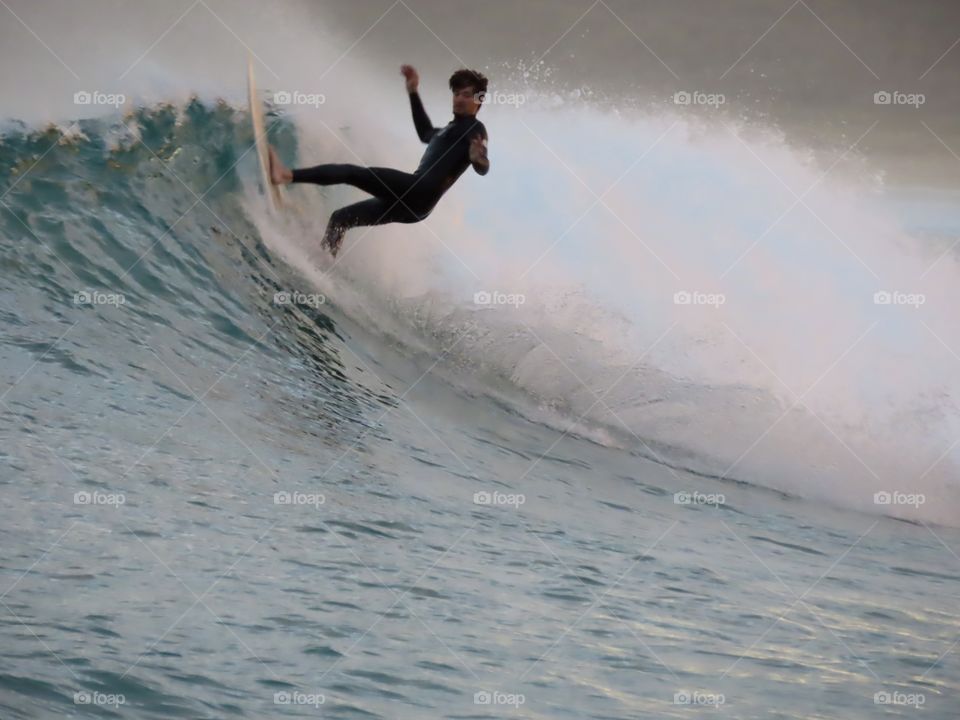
(412, 76)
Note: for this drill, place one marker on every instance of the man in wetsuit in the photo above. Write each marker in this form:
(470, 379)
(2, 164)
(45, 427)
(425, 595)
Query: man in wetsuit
(399, 196)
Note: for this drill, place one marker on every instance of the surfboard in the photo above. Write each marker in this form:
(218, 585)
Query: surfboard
(274, 198)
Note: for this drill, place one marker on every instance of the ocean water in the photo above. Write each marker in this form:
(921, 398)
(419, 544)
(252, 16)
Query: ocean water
(228, 493)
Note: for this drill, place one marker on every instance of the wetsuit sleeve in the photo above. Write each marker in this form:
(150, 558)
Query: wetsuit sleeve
(425, 130)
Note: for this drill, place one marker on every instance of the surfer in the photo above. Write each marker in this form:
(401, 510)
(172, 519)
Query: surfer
(400, 196)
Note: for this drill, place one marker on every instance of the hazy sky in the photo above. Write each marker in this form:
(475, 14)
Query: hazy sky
(811, 67)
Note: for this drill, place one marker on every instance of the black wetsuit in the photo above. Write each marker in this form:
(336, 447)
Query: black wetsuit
(399, 196)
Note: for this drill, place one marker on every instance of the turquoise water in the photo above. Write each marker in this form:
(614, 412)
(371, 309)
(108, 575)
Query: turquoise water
(218, 505)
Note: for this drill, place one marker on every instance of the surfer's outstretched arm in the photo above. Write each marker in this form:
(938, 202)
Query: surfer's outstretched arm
(421, 121)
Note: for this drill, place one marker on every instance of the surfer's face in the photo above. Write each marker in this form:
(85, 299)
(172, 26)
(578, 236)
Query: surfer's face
(465, 101)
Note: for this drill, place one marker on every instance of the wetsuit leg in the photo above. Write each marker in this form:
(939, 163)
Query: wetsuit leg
(396, 197)
(375, 211)
(385, 183)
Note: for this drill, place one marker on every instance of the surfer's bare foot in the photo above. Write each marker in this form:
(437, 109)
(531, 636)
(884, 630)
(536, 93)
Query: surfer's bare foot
(279, 175)
(331, 244)
(333, 248)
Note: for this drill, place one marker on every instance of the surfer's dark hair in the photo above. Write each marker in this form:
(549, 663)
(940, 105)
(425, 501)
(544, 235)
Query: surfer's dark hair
(469, 78)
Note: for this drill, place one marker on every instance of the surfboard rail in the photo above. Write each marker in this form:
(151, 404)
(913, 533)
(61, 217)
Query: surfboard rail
(274, 197)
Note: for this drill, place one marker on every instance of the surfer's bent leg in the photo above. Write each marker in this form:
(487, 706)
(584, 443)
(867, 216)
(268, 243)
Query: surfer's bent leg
(396, 197)
(386, 183)
(375, 211)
